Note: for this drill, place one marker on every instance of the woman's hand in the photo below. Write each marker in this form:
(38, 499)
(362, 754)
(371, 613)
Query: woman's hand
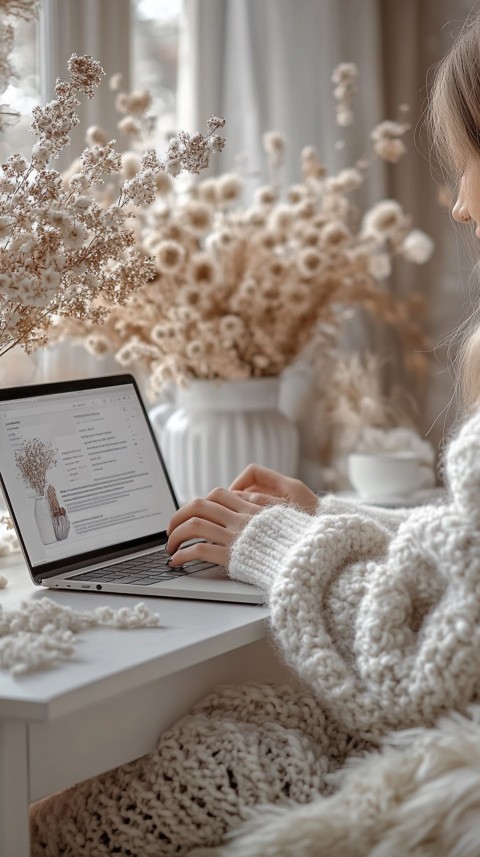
(264, 487)
(219, 518)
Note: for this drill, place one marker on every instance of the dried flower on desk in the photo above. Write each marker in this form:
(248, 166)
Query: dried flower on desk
(6, 521)
(8, 541)
(41, 634)
(33, 460)
(63, 252)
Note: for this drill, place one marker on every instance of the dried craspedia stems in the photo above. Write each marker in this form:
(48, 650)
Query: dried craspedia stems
(63, 252)
(241, 289)
(33, 460)
(344, 78)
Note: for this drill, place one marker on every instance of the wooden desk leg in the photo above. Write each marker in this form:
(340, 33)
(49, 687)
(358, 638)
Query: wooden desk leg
(14, 835)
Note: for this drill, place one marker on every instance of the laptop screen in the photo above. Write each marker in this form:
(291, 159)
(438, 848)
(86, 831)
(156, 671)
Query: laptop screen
(81, 469)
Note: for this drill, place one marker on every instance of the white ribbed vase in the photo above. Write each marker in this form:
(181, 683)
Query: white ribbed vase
(216, 428)
(43, 517)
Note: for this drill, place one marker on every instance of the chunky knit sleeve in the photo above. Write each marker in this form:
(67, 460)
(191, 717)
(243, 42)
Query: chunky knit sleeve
(384, 628)
(335, 504)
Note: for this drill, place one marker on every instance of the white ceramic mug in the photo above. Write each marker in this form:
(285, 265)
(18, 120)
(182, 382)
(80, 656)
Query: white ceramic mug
(388, 474)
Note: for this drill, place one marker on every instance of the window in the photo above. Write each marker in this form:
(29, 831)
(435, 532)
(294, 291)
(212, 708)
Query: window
(138, 38)
(154, 58)
(23, 92)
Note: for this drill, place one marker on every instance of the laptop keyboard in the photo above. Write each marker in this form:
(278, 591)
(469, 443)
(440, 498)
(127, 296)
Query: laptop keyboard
(148, 569)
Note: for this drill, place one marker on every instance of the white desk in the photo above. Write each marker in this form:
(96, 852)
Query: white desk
(111, 701)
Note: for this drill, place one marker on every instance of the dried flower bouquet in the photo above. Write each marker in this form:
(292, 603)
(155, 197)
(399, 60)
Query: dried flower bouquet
(240, 290)
(61, 249)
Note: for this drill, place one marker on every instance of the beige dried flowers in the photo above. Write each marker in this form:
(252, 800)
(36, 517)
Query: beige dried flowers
(66, 252)
(240, 289)
(33, 459)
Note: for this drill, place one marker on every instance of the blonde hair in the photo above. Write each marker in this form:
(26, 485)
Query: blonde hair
(454, 119)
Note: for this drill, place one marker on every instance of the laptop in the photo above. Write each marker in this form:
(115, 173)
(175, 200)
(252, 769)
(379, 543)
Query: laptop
(90, 496)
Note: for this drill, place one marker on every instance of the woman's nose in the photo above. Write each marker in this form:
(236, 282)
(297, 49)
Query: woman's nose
(460, 211)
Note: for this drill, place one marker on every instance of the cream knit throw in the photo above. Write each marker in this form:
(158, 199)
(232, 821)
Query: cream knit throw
(379, 615)
(418, 798)
(240, 747)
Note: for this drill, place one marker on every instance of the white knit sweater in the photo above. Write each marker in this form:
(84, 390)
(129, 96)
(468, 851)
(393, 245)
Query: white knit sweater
(377, 612)
(383, 629)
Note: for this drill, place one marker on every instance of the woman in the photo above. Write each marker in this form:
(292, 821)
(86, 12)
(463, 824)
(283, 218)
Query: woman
(377, 612)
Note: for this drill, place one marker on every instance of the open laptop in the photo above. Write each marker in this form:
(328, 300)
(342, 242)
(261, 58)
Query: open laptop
(90, 496)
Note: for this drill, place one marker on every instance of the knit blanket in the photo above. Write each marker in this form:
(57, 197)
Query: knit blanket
(252, 767)
(419, 796)
(240, 746)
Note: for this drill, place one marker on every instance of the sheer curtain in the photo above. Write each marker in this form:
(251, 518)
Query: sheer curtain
(267, 65)
(85, 27)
